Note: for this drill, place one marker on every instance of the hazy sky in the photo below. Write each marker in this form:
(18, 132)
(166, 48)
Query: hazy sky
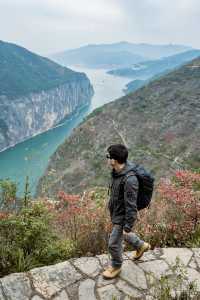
(47, 26)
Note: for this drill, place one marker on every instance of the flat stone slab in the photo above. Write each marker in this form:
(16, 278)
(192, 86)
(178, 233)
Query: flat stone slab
(88, 265)
(81, 278)
(156, 267)
(50, 280)
(109, 292)
(104, 259)
(61, 296)
(197, 256)
(133, 274)
(170, 255)
(150, 255)
(16, 287)
(127, 289)
(102, 282)
(86, 290)
(1, 294)
(194, 275)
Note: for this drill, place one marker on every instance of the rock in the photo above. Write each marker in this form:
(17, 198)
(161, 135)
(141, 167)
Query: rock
(170, 254)
(128, 290)
(193, 264)
(16, 287)
(137, 280)
(197, 256)
(193, 275)
(104, 259)
(88, 265)
(108, 292)
(156, 267)
(1, 295)
(133, 274)
(147, 256)
(86, 290)
(61, 296)
(102, 282)
(72, 290)
(50, 280)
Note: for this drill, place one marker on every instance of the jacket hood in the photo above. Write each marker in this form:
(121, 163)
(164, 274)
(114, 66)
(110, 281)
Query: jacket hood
(127, 168)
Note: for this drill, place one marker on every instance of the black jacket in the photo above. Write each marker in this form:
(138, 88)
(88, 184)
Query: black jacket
(123, 197)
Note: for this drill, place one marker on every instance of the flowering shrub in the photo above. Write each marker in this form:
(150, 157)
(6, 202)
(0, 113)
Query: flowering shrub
(174, 217)
(44, 232)
(84, 220)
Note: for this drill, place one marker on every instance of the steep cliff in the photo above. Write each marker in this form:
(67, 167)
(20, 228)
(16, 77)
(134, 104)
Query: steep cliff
(35, 93)
(160, 124)
(35, 113)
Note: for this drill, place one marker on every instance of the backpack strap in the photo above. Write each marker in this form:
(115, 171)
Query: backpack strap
(126, 176)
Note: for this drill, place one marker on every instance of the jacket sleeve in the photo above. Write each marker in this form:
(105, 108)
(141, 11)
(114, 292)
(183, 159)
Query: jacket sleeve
(130, 200)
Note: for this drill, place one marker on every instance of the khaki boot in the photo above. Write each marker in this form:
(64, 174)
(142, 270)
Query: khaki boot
(138, 253)
(111, 272)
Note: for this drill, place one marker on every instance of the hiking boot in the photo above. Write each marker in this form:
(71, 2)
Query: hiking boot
(138, 253)
(111, 272)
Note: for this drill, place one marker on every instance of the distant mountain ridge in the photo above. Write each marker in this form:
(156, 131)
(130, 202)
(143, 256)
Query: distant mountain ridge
(151, 68)
(160, 124)
(115, 55)
(23, 72)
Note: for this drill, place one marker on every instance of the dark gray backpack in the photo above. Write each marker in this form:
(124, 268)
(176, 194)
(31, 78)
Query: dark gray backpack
(146, 185)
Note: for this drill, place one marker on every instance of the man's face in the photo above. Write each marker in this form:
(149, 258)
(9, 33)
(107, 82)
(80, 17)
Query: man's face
(110, 161)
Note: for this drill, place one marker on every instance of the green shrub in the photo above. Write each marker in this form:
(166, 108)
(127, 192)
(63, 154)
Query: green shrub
(27, 240)
(8, 190)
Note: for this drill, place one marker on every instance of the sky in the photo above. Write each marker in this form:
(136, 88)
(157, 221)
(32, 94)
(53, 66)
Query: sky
(49, 26)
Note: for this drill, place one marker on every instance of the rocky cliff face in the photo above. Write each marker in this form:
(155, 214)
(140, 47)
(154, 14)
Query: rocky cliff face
(28, 115)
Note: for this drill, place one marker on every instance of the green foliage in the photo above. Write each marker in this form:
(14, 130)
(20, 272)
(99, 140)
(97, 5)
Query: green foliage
(27, 240)
(23, 72)
(195, 239)
(8, 190)
(27, 193)
(176, 285)
(98, 194)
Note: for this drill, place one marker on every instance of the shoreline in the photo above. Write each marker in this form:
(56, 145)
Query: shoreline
(62, 122)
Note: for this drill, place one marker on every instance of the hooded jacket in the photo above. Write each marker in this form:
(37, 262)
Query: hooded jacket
(123, 197)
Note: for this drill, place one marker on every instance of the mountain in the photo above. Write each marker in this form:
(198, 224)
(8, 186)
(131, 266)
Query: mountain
(115, 55)
(151, 68)
(160, 124)
(35, 93)
(134, 85)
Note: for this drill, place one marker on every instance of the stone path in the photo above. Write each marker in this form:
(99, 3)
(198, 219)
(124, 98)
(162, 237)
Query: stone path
(80, 278)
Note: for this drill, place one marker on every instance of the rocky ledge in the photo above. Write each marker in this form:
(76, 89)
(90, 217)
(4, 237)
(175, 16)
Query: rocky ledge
(80, 278)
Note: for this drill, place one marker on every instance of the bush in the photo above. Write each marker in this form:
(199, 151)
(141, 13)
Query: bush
(174, 217)
(27, 240)
(84, 220)
(8, 190)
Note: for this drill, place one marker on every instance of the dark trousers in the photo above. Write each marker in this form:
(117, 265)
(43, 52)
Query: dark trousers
(115, 244)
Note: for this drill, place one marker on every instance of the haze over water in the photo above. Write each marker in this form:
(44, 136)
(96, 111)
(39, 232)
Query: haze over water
(31, 157)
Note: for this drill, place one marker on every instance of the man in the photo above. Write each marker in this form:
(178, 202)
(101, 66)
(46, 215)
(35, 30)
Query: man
(123, 209)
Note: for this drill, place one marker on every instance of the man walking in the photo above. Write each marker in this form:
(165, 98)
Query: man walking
(123, 209)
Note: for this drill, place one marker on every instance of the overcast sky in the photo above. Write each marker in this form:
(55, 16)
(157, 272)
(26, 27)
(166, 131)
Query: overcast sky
(48, 26)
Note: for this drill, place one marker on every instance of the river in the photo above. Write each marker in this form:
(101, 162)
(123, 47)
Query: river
(30, 158)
